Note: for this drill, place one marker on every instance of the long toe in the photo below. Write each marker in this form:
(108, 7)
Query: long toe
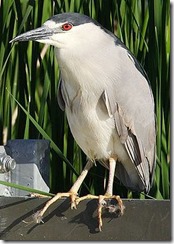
(88, 196)
(38, 216)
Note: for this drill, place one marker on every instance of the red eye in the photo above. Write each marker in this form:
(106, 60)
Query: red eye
(67, 27)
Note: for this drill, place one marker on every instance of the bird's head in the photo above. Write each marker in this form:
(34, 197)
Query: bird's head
(65, 30)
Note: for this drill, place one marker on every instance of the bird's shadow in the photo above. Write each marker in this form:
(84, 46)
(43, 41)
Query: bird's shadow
(87, 216)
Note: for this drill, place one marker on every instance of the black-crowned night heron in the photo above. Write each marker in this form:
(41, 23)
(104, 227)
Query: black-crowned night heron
(108, 102)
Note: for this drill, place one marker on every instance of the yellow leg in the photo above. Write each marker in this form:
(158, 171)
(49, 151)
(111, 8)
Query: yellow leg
(72, 194)
(75, 200)
(108, 194)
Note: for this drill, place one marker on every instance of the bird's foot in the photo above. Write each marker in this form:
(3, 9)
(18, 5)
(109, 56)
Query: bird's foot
(38, 216)
(105, 202)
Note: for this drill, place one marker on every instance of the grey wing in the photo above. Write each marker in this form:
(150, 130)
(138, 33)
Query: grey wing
(137, 134)
(60, 96)
(63, 97)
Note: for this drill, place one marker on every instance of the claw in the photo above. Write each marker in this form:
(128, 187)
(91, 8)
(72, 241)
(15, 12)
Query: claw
(37, 217)
(73, 205)
(73, 201)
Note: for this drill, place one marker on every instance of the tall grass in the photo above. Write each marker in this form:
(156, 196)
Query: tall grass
(30, 73)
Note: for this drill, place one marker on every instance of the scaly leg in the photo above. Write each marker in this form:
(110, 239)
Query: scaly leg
(112, 165)
(108, 194)
(72, 194)
(74, 189)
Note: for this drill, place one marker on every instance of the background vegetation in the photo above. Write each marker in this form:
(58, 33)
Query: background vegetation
(30, 73)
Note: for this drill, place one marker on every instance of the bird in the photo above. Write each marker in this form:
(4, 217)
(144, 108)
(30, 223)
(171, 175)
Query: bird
(106, 95)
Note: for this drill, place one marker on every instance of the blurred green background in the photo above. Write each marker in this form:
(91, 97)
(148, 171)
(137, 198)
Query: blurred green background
(29, 76)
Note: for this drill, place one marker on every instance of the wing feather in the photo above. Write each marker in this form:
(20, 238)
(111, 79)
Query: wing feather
(60, 99)
(133, 144)
(62, 96)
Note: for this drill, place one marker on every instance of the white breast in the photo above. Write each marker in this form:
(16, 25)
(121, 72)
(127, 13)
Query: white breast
(93, 129)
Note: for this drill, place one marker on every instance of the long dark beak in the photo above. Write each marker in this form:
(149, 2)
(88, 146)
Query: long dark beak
(38, 34)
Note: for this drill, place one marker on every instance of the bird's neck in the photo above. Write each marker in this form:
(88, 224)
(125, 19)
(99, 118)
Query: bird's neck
(78, 73)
